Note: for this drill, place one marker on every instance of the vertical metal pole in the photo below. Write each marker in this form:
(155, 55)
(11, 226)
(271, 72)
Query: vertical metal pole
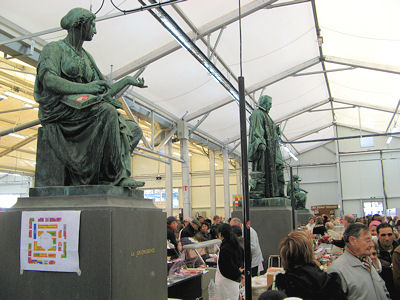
(152, 129)
(227, 202)
(245, 180)
(111, 70)
(292, 200)
(213, 189)
(169, 183)
(187, 210)
(383, 184)
(339, 171)
(239, 180)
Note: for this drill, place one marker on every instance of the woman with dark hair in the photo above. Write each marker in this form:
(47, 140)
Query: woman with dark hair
(303, 278)
(230, 261)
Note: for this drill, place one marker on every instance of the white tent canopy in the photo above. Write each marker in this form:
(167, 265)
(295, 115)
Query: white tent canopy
(324, 63)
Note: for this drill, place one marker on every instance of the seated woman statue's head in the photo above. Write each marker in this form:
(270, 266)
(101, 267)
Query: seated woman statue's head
(81, 20)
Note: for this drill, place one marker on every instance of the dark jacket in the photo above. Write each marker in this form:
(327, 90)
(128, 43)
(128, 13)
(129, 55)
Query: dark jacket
(188, 231)
(174, 253)
(339, 243)
(387, 273)
(396, 269)
(319, 229)
(230, 260)
(214, 231)
(310, 283)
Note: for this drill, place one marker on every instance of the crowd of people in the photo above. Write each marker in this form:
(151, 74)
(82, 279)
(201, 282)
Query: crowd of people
(368, 266)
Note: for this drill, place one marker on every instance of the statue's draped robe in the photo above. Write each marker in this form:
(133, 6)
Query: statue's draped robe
(94, 143)
(263, 132)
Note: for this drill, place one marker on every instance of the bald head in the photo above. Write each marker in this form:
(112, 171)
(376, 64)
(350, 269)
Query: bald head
(235, 222)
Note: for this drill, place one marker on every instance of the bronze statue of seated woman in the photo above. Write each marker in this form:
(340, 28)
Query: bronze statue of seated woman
(84, 140)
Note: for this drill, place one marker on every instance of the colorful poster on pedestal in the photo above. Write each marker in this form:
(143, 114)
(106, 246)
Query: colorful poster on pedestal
(49, 241)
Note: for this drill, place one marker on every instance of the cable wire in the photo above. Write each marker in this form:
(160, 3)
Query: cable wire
(360, 36)
(101, 6)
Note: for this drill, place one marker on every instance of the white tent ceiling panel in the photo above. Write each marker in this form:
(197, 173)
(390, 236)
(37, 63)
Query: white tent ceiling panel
(366, 86)
(266, 50)
(350, 29)
(295, 93)
(205, 11)
(179, 83)
(322, 134)
(369, 118)
(223, 123)
(306, 122)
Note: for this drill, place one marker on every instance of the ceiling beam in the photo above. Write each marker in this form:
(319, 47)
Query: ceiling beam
(254, 88)
(19, 145)
(209, 46)
(280, 76)
(287, 3)
(301, 111)
(363, 105)
(208, 28)
(362, 64)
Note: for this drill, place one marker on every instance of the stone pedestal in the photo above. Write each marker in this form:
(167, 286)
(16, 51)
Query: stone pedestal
(271, 224)
(122, 253)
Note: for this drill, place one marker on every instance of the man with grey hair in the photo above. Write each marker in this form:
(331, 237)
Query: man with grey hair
(347, 220)
(256, 254)
(359, 278)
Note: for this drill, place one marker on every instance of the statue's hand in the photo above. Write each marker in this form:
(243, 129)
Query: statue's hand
(98, 87)
(139, 82)
(262, 147)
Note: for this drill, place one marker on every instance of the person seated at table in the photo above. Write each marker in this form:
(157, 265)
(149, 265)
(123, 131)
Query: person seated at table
(204, 229)
(303, 278)
(319, 227)
(310, 225)
(333, 235)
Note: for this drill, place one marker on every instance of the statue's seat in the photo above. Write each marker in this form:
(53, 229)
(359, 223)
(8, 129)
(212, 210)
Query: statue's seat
(50, 171)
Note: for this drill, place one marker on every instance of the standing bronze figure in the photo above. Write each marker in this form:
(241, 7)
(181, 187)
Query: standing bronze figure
(267, 180)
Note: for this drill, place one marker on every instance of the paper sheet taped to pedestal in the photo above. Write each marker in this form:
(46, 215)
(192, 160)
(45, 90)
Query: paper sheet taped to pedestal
(49, 241)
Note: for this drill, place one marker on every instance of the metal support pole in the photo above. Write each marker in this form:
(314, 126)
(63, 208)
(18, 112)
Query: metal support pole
(239, 180)
(339, 172)
(187, 210)
(383, 182)
(245, 180)
(169, 183)
(227, 202)
(19, 127)
(292, 200)
(213, 191)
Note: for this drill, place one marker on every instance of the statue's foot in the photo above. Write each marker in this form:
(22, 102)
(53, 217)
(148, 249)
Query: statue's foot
(131, 183)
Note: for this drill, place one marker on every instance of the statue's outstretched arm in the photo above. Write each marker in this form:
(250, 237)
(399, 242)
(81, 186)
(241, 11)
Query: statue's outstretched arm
(63, 86)
(128, 80)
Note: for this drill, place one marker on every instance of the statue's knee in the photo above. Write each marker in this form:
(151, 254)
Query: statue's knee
(109, 110)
